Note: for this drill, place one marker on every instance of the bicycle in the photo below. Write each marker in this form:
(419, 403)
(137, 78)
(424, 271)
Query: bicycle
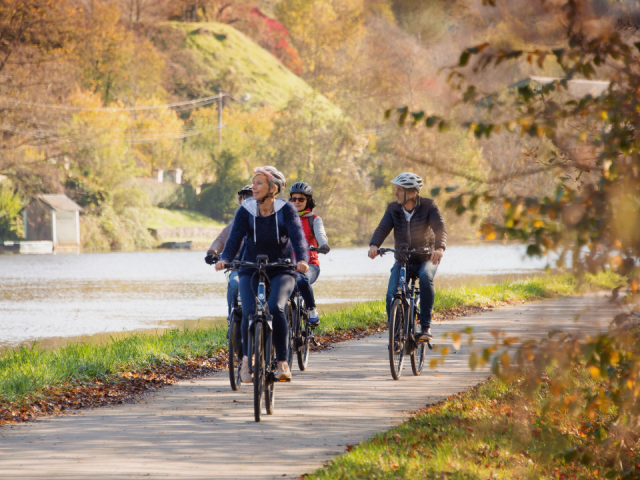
(301, 331)
(404, 315)
(234, 336)
(261, 351)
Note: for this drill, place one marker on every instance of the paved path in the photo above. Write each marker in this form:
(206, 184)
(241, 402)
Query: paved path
(201, 429)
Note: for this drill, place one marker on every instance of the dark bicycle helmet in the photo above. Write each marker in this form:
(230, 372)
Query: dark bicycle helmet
(301, 187)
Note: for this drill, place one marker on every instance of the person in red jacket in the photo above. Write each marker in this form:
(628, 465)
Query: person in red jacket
(301, 195)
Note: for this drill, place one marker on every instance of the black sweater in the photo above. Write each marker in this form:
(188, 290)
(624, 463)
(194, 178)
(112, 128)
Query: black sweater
(276, 241)
(427, 228)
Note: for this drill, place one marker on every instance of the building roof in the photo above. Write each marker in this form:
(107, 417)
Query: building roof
(60, 203)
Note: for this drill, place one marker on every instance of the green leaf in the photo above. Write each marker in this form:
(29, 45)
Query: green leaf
(452, 189)
(404, 112)
(435, 191)
(469, 94)
(534, 251)
(558, 53)
(432, 120)
(464, 58)
(387, 114)
(417, 116)
(443, 126)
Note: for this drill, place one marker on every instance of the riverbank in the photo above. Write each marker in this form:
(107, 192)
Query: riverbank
(35, 381)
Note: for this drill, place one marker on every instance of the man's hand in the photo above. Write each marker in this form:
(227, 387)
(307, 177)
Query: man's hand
(373, 252)
(211, 251)
(436, 256)
(220, 265)
(302, 267)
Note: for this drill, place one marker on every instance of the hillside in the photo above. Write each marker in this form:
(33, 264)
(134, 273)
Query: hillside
(216, 55)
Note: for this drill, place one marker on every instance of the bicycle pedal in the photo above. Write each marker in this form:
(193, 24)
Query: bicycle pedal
(429, 345)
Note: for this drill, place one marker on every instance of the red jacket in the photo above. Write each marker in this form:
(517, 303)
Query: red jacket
(311, 239)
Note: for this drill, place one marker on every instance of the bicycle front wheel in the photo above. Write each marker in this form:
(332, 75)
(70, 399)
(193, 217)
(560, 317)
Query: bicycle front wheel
(417, 357)
(258, 371)
(396, 338)
(235, 354)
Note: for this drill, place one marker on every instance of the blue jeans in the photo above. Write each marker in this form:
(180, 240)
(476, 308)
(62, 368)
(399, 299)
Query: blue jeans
(304, 281)
(232, 291)
(281, 288)
(425, 272)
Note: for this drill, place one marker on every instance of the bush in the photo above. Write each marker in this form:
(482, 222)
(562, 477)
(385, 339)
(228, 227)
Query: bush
(218, 199)
(10, 207)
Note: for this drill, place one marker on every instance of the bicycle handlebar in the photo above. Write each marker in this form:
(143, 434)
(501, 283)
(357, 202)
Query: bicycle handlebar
(317, 250)
(423, 251)
(236, 265)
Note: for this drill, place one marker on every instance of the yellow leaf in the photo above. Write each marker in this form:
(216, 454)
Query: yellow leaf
(445, 351)
(433, 363)
(604, 115)
(594, 372)
(456, 340)
(615, 357)
(437, 374)
(538, 224)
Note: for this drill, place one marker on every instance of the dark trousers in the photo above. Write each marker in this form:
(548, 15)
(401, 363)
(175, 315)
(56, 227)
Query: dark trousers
(304, 281)
(425, 271)
(281, 288)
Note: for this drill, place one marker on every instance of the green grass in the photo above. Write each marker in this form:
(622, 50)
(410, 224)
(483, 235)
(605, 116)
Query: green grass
(161, 217)
(29, 370)
(221, 50)
(493, 431)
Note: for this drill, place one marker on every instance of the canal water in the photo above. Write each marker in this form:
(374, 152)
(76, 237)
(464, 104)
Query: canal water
(57, 297)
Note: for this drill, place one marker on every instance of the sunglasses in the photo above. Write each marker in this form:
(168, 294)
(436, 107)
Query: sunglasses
(298, 199)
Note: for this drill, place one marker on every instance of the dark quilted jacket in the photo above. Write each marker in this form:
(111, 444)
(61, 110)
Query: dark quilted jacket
(427, 227)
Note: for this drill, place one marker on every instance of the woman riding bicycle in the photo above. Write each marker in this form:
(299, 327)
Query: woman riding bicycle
(301, 195)
(218, 245)
(270, 226)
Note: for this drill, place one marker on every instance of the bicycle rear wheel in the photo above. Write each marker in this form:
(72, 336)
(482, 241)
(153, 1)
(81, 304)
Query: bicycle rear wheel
(292, 337)
(304, 335)
(258, 371)
(417, 357)
(396, 338)
(235, 354)
(270, 383)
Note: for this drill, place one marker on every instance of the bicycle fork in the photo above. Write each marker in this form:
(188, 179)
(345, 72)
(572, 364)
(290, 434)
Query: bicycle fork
(261, 315)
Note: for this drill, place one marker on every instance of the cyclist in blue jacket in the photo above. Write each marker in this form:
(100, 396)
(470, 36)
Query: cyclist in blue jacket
(270, 226)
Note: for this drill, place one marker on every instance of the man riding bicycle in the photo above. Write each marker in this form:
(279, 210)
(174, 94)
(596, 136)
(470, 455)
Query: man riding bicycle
(218, 245)
(269, 226)
(417, 222)
(301, 195)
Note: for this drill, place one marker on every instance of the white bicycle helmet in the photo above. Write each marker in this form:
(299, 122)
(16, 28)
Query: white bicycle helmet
(274, 177)
(408, 180)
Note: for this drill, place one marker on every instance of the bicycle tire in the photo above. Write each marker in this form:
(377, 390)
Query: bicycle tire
(396, 333)
(304, 331)
(234, 356)
(270, 384)
(292, 338)
(417, 357)
(258, 371)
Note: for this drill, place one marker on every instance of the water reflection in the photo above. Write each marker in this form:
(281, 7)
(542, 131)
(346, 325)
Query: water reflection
(88, 294)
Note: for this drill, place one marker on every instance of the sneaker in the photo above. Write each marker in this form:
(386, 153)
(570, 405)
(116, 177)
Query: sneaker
(245, 376)
(425, 336)
(314, 317)
(283, 374)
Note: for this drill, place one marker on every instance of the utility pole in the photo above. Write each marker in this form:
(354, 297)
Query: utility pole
(220, 107)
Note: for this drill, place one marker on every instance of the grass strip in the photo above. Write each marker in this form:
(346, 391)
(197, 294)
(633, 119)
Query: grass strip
(29, 371)
(493, 431)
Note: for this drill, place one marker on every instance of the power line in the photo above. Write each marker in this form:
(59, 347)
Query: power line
(180, 106)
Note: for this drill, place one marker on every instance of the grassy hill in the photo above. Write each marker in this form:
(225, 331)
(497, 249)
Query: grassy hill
(214, 55)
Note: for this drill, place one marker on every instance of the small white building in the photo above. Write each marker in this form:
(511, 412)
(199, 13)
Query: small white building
(54, 218)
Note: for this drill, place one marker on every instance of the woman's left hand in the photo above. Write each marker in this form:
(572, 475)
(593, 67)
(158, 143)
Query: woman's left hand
(302, 267)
